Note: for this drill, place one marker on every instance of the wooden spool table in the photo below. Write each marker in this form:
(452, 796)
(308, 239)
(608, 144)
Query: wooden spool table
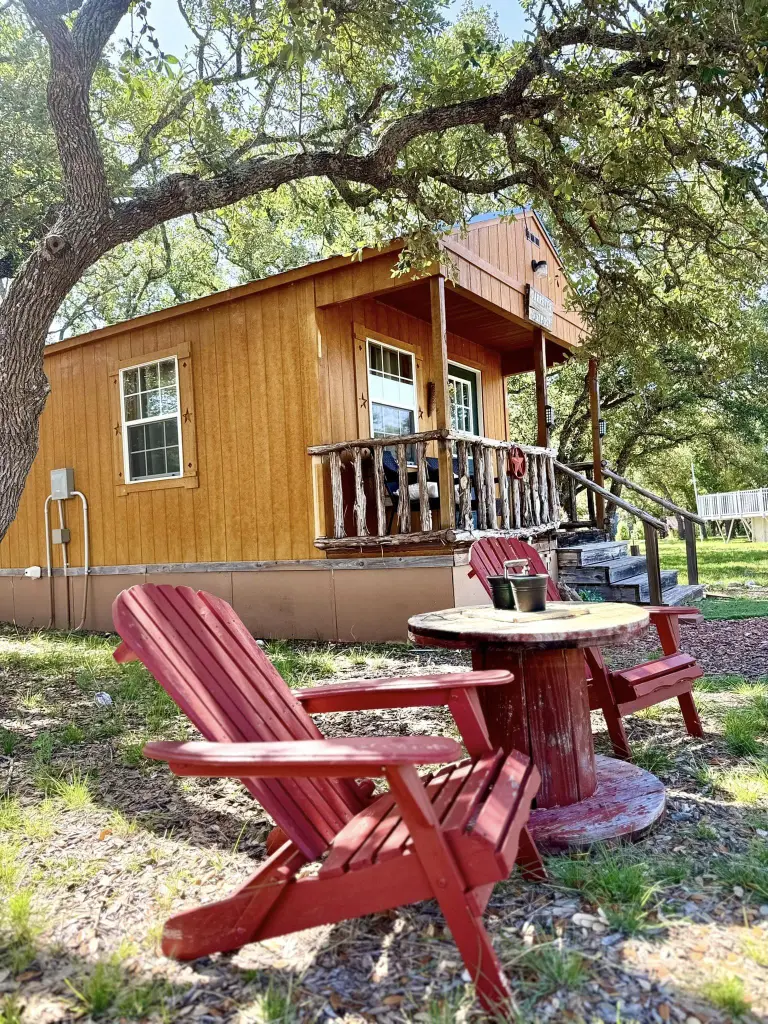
(545, 712)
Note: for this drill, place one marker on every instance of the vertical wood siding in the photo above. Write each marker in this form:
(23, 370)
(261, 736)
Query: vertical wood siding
(271, 374)
(255, 367)
(342, 392)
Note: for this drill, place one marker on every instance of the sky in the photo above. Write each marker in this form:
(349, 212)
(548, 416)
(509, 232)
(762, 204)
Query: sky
(172, 31)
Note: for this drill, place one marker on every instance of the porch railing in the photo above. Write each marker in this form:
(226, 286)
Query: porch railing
(750, 504)
(477, 493)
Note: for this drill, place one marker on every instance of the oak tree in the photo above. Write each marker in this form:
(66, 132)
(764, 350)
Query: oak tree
(632, 124)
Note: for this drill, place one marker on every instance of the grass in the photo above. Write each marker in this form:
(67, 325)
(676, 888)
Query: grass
(742, 728)
(108, 989)
(653, 758)
(549, 967)
(727, 993)
(732, 608)
(618, 881)
(8, 741)
(10, 1010)
(719, 563)
(748, 870)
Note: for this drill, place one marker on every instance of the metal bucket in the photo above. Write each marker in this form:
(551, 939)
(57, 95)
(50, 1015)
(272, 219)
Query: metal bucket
(530, 592)
(501, 587)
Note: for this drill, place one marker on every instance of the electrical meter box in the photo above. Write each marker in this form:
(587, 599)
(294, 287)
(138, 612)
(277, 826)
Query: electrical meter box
(62, 483)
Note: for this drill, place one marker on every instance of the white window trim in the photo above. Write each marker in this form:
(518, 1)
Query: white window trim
(479, 376)
(395, 405)
(150, 419)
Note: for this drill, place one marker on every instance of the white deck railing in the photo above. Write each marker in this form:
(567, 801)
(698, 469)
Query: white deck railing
(734, 504)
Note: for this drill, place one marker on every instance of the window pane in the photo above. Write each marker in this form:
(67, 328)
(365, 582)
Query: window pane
(130, 382)
(375, 357)
(156, 462)
(406, 367)
(149, 377)
(138, 465)
(171, 432)
(155, 434)
(172, 456)
(132, 407)
(168, 400)
(378, 420)
(150, 404)
(136, 439)
(168, 373)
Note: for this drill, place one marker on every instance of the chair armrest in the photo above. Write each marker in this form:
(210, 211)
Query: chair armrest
(338, 758)
(412, 692)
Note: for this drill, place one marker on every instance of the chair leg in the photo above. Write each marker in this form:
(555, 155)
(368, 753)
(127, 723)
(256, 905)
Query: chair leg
(479, 956)
(617, 732)
(690, 714)
(231, 923)
(529, 859)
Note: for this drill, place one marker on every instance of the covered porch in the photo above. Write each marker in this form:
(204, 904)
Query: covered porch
(433, 462)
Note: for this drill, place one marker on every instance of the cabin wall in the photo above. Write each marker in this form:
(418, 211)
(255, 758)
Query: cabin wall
(343, 396)
(254, 369)
(505, 245)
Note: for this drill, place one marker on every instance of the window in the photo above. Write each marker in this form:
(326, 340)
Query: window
(151, 420)
(392, 390)
(464, 396)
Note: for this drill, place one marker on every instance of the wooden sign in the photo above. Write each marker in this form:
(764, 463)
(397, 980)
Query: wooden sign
(538, 307)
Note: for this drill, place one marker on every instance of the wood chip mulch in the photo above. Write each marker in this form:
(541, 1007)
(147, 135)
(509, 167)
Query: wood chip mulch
(104, 890)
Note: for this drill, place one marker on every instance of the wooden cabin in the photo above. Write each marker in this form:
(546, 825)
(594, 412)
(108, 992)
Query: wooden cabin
(319, 447)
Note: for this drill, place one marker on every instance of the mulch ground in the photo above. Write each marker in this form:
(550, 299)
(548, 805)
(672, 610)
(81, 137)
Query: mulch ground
(106, 882)
(722, 647)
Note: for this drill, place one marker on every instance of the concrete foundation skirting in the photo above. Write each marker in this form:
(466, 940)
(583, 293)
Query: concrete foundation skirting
(362, 600)
(338, 604)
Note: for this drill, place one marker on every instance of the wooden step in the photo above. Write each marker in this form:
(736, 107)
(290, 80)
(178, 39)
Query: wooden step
(591, 554)
(684, 593)
(573, 538)
(612, 571)
(634, 589)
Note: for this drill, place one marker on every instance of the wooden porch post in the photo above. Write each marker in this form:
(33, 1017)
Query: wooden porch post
(597, 441)
(442, 401)
(540, 370)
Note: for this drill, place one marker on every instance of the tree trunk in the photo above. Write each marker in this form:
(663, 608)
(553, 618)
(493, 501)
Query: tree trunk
(26, 314)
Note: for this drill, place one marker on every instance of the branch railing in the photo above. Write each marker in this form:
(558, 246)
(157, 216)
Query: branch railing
(688, 520)
(579, 476)
(463, 490)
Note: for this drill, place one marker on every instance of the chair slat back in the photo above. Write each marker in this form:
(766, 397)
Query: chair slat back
(488, 555)
(202, 655)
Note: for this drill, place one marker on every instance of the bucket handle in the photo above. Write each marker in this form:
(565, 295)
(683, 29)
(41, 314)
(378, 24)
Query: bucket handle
(514, 562)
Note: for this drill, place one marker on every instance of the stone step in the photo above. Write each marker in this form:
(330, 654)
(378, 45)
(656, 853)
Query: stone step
(634, 589)
(591, 554)
(612, 571)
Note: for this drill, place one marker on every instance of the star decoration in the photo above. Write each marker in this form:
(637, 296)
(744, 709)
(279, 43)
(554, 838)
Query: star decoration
(363, 402)
(187, 416)
(117, 428)
(421, 414)
(518, 464)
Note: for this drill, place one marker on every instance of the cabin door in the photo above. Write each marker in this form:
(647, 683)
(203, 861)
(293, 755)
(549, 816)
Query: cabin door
(464, 395)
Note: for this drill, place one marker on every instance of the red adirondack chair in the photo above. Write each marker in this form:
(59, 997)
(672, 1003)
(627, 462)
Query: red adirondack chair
(450, 836)
(624, 691)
